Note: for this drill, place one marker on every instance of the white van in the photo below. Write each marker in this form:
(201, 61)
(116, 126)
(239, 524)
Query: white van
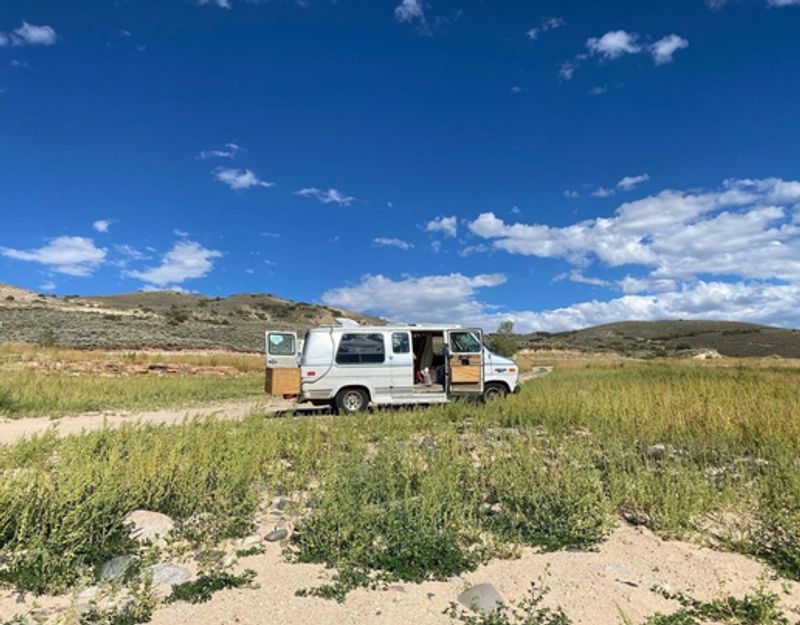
(349, 367)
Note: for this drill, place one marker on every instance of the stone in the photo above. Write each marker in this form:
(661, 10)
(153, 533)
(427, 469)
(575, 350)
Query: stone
(149, 525)
(115, 568)
(279, 533)
(168, 574)
(248, 541)
(279, 503)
(482, 598)
(656, 452)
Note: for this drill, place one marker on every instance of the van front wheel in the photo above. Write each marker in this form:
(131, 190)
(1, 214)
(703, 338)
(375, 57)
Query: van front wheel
(494, 391)
(351, 401)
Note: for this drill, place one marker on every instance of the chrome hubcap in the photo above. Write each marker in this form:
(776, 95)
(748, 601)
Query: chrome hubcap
(353, 402)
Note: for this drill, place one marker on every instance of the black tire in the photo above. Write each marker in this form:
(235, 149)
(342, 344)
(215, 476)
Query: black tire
(494, 391)
(351, 401)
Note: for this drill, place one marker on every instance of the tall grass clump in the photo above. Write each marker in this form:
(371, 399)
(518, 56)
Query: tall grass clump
(38, 393)
(408, 514)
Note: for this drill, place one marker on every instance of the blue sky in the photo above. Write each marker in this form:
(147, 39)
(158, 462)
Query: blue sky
(558, 164)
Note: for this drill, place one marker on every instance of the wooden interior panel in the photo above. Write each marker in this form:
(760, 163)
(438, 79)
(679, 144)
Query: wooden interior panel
(283, 381)
(465, 369)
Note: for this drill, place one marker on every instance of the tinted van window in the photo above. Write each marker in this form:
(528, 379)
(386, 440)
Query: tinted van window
(401, 343)
(360, 349)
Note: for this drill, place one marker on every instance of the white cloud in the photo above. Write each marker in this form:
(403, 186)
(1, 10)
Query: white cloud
(391, 242)
(446, 225)
(180, 233)
(599, 90)
(29, 35)
(222, 4)
(549, 24)
(631, 182)
(743, 229)
(185, 261)
(427, 299)
(101, 225)
(331, 196)
(453, 299)
(783, 3)
(571, 194)
(577, 276)
(74, 256)
(239, 179)
(614, 44)
(228, 151)
(663, 49)
(49, 285)
(603, 192)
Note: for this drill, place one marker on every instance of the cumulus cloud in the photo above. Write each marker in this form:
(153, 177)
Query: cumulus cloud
(187, 260)
(614, 44)
(744, 229)
(446, 225)
(603, 192)
(618, 43)
(29, 35)
(239, 179)
(222, 4)
(455, 299)
(74, 256)
(412, 11)
(664, 49)
(392, 242)
(228, 151)
(549, 24)
(331, 196)
(631, 182)
(101, 225)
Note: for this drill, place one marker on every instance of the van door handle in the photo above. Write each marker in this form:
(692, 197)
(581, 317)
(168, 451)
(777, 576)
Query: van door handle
(272, 361)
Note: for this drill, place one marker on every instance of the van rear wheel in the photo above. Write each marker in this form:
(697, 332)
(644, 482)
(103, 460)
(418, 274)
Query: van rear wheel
(494, 391)
(351, 401)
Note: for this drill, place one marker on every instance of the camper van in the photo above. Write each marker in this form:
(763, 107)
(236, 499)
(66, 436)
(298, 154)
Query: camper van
(351, 367)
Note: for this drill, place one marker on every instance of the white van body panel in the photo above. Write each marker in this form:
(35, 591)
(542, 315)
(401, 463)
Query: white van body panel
(387, 382)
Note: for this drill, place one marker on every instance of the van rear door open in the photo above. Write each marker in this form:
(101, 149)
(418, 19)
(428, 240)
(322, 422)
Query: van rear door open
(283, 363)
(464, 362)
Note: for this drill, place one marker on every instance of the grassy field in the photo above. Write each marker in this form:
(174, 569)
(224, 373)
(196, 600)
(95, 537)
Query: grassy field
(38, 381)
(429, 493)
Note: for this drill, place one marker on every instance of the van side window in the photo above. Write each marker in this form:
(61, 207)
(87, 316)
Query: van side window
(400, 343)
(360, 349)
(464, 343)
(281, 344)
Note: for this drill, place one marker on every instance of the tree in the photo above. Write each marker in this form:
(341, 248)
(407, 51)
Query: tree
(504, 341)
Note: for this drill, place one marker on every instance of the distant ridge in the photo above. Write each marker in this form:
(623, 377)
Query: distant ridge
(157, 320)
(671, 338)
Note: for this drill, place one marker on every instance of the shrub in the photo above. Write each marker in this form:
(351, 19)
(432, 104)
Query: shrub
(776, 536)
(547, 497)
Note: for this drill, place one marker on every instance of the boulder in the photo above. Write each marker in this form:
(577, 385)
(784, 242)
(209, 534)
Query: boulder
(482, 598)
(147, 525)
(279, 533)
(168, 574)
(115, 568)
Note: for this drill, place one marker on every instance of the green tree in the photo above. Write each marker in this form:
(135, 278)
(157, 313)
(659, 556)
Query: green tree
(504, 341)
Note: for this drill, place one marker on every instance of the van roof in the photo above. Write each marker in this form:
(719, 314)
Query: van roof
(390, 328)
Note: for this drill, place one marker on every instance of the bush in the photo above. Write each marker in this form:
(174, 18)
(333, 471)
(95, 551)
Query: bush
(776, 536)
(504, 342)
(407, 514)
(553, 499)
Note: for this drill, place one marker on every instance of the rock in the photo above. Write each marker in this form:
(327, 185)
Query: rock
(85, 598)
(656, 452)
(115, 568)
(279, 503)
(482, 598)
(708, 354)
(148, 525)
(168, 574)
(279, 533)
(427, 442)
(248, 541)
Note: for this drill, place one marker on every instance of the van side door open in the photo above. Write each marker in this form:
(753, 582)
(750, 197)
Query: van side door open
(283, 363)
(464, 362)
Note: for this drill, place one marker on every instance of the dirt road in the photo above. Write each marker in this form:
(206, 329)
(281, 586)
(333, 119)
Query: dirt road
(12, 430)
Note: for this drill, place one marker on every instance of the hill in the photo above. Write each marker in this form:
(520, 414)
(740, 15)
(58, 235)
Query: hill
(671, 338)
(163, 319)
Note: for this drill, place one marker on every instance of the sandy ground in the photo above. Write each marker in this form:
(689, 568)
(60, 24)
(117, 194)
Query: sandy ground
(12, 430)
(15, 429)
(594, 588)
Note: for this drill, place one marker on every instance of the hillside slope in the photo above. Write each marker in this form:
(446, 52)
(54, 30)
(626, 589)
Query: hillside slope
(163, 319)
(668, 338)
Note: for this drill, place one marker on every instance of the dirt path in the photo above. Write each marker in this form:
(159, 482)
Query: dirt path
(15, 429)
(12, 430)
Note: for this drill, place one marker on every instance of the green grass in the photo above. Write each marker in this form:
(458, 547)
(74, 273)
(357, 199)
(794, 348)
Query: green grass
(430, 493)
(34, 393)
